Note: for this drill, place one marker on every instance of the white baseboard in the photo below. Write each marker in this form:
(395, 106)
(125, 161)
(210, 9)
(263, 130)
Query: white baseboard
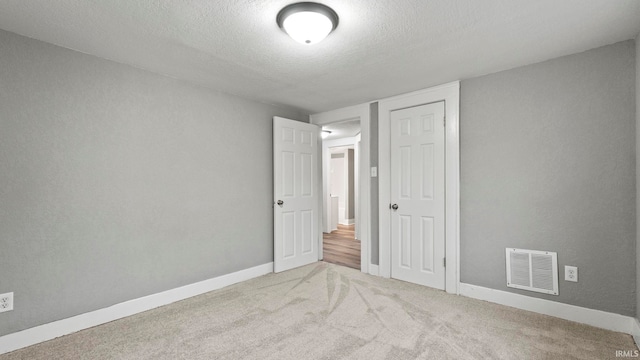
(373, 269)
(70, 325)
(597, 318)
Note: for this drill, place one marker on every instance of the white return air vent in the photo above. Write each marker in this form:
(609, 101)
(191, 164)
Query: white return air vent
(532, 270)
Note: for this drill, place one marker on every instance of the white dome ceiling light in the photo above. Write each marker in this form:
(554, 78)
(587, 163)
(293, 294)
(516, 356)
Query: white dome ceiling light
(307, 22)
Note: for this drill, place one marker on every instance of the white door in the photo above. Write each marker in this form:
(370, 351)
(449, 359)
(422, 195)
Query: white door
(417, 195)
(295, 160)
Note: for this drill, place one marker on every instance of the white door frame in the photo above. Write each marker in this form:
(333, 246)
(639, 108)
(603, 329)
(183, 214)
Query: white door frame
(450, 94)
(352, 113)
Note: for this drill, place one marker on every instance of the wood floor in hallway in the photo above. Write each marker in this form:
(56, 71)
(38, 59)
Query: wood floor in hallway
(341, 247)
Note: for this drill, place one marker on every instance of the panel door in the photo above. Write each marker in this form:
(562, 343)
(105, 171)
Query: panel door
(295, 159)
(418, 195)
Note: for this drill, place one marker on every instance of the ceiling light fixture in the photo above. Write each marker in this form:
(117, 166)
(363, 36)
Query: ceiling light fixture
(307, 22)
(325, 133)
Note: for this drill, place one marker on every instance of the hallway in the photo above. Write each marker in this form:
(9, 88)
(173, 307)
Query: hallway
(341, 247)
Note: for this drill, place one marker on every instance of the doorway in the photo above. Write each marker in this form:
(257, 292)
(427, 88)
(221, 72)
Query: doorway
(362, 228)
(341, 242)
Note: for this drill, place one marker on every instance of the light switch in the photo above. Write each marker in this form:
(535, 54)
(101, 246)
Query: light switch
(374, 172)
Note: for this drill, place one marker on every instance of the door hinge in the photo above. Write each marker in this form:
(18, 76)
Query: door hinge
(444, 120)
(444, 262)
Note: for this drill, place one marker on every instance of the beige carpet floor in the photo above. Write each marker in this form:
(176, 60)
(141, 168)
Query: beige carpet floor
(325, 311)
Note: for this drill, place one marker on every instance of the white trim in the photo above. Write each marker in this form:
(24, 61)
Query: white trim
(73, 324)
(597, 318)
(450, 94)
(357, 177)
(374, 270)
(351, 113)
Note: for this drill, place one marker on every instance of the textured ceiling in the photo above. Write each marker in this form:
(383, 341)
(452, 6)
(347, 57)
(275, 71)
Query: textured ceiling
(381, 47)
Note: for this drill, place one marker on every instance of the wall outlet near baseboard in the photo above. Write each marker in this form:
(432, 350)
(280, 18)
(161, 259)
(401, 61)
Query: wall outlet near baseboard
(571, 273)
(6, 302)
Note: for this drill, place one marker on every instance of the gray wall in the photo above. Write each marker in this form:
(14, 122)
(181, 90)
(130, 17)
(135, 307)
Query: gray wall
(637, 176)
(548, 163)
(116, 183)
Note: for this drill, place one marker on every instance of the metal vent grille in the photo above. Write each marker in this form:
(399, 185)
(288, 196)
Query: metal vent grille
(520, 269)
(532, 270)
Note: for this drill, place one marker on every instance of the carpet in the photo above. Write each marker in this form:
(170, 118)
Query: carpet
(325, 311)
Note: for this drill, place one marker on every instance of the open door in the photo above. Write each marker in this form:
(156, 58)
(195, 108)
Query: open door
(295, 213)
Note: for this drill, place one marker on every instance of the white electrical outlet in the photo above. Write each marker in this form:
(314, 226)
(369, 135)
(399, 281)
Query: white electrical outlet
(6, 302)
(571, 273)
